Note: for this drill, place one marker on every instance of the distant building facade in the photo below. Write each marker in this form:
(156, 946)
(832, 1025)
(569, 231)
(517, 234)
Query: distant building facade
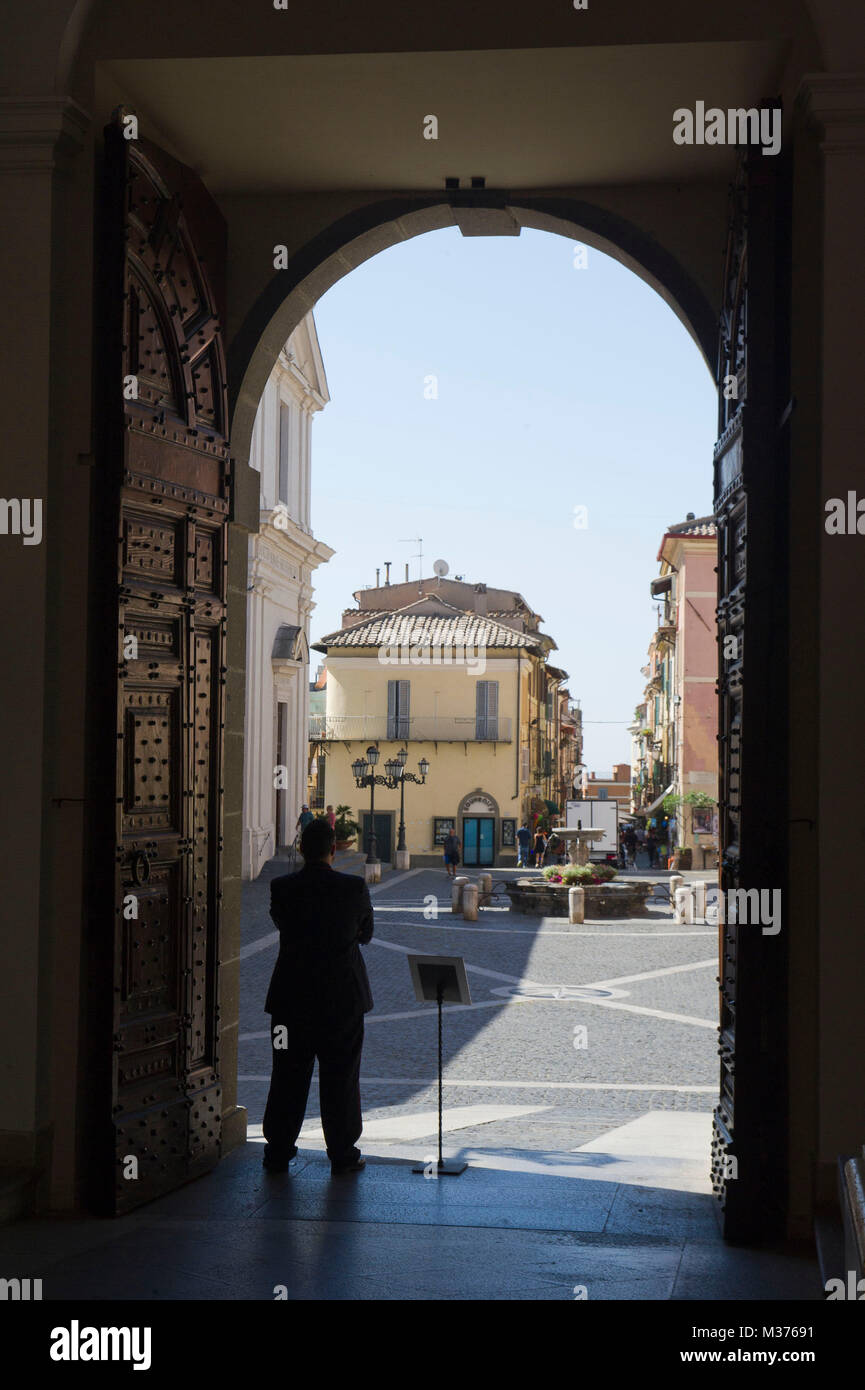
(615, 788)
(282, 558)
(455, 673)
(674, 735)
(570, 748)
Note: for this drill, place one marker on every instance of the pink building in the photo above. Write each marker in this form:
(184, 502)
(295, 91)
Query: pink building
(687, 588)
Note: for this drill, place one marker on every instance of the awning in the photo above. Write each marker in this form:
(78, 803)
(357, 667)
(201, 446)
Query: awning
(289, 644)
(649, 810)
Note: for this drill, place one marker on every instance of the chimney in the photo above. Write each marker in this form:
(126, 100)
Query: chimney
(387, 565)
(406, 571)
(377, 576)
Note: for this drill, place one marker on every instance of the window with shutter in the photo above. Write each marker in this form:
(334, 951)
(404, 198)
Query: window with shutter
(398, 710)
(487, 710)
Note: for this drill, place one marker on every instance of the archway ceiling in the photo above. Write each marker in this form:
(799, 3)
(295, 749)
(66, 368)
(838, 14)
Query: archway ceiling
(539, 118)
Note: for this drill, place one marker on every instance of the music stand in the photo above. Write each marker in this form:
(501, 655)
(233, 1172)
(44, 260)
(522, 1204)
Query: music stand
(436, 979)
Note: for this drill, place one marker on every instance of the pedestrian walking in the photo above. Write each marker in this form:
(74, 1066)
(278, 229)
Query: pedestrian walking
(318, 995)
(538, 847)
(524, 840)
(330, 816)
(631, 847)
(451, 848)
(553, 849)
(623, 848)
(652, 849)
(304, 818)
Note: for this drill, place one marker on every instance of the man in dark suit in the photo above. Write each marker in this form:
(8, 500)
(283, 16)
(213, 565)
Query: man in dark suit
(317, 998)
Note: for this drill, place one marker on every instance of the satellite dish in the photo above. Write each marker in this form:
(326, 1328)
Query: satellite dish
(441, 568)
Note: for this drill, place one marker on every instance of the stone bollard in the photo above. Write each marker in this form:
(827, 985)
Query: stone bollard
(684, 903)
(485, 890)
(576, 905)
(699, 901)
(470, 902)
(459, 884)
(675, 881)
(403, 859)
(372, 872)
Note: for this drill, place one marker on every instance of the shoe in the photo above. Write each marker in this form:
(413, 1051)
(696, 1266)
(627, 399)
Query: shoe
(340, 1170)
(276, 1162)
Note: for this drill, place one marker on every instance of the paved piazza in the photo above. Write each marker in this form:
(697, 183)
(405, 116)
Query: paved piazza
(514, 1080)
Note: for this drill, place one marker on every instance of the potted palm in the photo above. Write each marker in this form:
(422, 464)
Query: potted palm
(345, 828)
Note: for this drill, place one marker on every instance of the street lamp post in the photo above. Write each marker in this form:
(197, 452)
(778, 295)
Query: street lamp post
(402, 776)
(396, 776)
(364, 776)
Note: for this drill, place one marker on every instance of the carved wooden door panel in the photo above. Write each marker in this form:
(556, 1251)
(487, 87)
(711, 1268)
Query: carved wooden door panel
(169, 469)
(749, 1136)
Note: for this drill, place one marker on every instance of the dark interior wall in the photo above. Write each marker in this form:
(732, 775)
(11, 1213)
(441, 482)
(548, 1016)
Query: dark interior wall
(47, 365)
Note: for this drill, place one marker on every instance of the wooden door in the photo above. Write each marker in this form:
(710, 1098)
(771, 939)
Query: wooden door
(383, 824)
(160, 564)
(749, 1140)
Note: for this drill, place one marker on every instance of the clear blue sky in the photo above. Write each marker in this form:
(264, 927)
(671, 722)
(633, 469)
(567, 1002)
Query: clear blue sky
(557, 387)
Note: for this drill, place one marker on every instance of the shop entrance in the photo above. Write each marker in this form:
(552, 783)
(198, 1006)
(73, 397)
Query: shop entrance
(479, 841)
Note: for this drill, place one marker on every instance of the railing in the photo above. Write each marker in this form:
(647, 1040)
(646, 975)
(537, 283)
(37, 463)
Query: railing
(431, 729)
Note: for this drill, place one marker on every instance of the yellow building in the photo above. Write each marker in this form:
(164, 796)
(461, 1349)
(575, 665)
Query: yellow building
(460, 681)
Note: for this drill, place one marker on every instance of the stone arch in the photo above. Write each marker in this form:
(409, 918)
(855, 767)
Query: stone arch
(478, 794)
(355, 238)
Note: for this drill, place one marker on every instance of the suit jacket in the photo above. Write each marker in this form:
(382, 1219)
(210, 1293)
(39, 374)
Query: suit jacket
(323, 918)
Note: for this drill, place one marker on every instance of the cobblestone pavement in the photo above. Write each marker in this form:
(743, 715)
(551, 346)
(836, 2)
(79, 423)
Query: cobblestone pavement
(649, 1042)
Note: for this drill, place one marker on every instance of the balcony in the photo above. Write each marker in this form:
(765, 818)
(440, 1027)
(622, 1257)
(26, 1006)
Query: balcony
(347, 728)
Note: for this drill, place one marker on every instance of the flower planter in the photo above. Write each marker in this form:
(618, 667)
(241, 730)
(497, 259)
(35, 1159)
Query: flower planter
(345, 844)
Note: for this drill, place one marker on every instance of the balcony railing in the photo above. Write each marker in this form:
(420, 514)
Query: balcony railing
(432, 729)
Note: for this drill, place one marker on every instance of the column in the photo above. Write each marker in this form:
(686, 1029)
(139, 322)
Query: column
(834, 114)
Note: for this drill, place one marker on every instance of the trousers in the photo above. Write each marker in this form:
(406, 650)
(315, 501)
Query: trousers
(337, 1042)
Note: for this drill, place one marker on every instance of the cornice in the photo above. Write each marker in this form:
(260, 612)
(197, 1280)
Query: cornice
(294, 541)
(833, 105)
(39, 134)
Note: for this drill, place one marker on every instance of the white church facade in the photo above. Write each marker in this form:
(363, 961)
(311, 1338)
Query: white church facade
(282, 558)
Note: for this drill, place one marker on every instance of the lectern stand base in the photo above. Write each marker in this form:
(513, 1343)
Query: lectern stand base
(448, 1168)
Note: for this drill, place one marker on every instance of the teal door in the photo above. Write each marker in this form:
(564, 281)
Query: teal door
(478, 841)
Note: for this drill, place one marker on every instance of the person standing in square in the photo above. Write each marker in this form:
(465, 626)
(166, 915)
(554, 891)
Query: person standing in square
(318, 995)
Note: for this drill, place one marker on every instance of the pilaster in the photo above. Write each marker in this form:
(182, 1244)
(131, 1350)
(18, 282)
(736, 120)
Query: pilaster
(831, 113)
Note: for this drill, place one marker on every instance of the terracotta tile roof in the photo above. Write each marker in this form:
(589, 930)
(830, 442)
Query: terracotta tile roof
(700, 526)
(449, 627)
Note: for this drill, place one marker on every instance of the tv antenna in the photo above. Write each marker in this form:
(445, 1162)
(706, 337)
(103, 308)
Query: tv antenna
(418, 541)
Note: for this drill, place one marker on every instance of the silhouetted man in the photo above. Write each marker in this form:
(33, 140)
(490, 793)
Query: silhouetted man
(318, 996)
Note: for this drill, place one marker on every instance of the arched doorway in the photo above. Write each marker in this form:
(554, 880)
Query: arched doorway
(750, 351)
(749, 1148)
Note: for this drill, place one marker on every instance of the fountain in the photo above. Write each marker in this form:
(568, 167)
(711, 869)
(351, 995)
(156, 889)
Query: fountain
(541, 897)
(578, 840)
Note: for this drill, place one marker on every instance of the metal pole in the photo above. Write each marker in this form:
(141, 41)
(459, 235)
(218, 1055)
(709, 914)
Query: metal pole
(440, 993)
(401, 840)
(372, 856)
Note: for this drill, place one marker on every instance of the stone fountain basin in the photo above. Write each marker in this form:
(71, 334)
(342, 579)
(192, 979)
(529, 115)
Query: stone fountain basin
(538, 898)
